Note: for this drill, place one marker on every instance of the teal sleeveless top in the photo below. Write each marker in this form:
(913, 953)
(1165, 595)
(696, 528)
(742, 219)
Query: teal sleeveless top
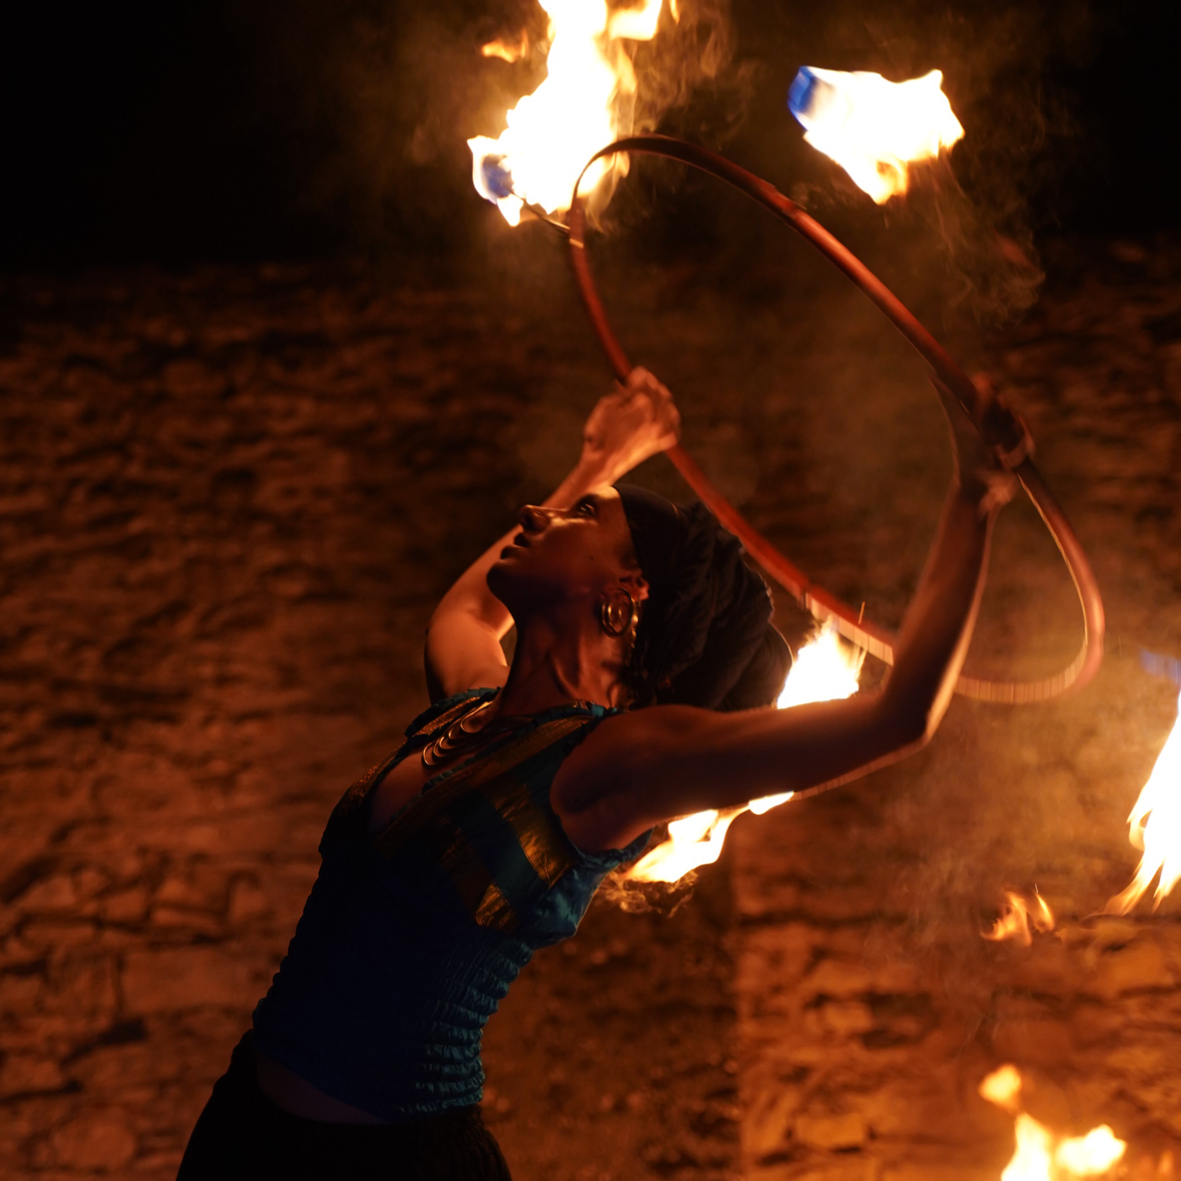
(412, 935)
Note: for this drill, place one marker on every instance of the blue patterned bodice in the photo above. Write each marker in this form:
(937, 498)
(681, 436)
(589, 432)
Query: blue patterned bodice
(411, 936)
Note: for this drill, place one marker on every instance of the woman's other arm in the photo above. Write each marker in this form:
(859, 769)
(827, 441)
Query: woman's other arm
(667, 761)
(463, 637)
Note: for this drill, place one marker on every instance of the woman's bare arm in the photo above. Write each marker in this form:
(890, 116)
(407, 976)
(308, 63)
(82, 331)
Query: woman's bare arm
(667, 761)
(463, 637)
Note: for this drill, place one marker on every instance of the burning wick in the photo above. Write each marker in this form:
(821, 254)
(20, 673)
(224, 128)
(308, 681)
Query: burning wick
(1040, 1154)
(1016, 916)
(580, 107)
(873, 128)
(825, 669)
(1154, 826)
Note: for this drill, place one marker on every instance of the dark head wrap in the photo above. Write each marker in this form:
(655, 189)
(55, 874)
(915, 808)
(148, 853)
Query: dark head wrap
(705, 637)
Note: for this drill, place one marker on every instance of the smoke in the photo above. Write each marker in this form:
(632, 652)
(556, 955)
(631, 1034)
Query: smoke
(371, 102)
(689, 81)
(1000, 187)
(368, 105)
(687, 84)
(972, 217)
(659, 898)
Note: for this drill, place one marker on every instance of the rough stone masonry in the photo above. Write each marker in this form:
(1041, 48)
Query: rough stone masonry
(228, 501)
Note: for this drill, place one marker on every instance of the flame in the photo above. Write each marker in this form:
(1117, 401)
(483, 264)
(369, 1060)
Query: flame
(637, 24)
(1154, 826)
(1034, 1158)
(1091, 1155)
(693, 841)
(873, 128)
(1016, 916)
(825, 669)
(507, 51)
(1041, 1155)
(580, 107)
(1002, 1087)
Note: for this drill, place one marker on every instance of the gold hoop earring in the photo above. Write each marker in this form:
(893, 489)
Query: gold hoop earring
(617, 613)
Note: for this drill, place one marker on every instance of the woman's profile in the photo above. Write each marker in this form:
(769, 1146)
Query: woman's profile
(645, 659)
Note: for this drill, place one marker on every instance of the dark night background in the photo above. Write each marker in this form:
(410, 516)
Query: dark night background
(271, 374)
(205, 131)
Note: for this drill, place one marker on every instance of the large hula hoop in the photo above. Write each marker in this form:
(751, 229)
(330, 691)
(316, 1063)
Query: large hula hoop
(877, 640)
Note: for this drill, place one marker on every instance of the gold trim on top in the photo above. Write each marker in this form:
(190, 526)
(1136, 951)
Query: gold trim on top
(480, 771)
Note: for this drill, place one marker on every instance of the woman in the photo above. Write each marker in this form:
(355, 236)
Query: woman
(644, 646)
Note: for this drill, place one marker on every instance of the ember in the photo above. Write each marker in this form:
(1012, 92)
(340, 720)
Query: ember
(874, 128)
(581, 106)
(825, 669)
(1154, 826)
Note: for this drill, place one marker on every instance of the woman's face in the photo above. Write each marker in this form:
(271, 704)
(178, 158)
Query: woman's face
(564, 555)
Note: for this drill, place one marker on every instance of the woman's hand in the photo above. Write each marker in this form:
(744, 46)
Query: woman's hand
(988, 443)
(628, 425)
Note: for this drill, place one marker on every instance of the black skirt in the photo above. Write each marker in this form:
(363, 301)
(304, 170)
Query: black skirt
(243, 1134)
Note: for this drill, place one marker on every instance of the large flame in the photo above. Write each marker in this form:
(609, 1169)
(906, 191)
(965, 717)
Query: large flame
(693, 841)
(873, 128)
(1155, 827)
(1017, 915)
(1040, 1154)
(825, 669)
(580, 107)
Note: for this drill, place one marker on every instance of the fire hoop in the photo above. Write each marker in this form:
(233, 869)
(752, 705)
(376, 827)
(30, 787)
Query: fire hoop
(873, 638)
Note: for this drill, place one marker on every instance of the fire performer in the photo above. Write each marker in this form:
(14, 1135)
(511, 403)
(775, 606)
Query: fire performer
(644, 656)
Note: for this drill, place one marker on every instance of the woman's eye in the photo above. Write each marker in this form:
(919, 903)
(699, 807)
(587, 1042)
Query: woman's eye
(586, 508)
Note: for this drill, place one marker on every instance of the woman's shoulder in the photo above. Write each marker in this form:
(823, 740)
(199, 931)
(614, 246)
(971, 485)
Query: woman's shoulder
(444, 711)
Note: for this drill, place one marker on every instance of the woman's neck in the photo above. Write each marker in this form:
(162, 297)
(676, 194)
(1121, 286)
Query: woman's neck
(554, 665)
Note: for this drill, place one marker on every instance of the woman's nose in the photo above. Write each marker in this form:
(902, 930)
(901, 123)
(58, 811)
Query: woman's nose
(532, 518)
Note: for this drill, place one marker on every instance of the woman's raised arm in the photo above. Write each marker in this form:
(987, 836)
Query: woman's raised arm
(666, 761)
(463, 637)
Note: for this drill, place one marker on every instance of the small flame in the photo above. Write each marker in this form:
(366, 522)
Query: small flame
(1016, 916)
(507, 51)
(873, 128)
(580, 107)
(1154, 826)
(1040, 1154)
(1003, 1087)
(825, 669)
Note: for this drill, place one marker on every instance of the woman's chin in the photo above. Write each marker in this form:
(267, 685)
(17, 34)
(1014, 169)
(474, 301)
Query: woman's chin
(501, 576)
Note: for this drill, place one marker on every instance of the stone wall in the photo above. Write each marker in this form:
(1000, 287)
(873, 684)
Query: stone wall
(228, 501)
(870, 1009)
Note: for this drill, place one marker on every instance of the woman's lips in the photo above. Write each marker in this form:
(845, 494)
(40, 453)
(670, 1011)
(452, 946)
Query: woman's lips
(518, 542)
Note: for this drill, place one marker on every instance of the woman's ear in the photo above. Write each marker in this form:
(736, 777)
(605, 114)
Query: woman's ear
(635, 584)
